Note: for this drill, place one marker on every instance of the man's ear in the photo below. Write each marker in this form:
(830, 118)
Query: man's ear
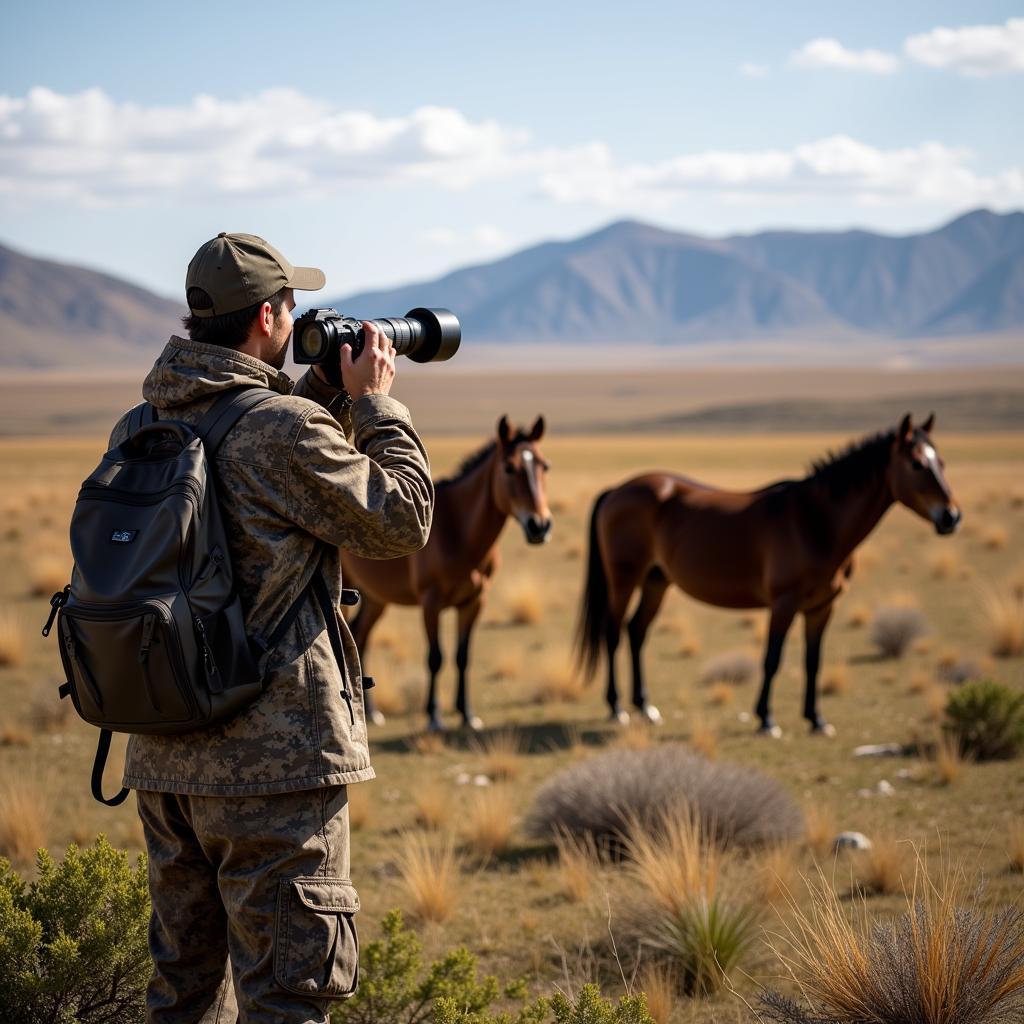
(265, 319)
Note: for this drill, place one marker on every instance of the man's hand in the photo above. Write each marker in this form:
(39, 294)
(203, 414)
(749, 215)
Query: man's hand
(374, 370)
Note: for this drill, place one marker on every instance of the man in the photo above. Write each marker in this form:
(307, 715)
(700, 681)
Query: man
(246, 822)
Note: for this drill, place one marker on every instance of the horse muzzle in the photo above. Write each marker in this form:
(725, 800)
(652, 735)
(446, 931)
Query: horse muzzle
(537, 530)
(947, 520)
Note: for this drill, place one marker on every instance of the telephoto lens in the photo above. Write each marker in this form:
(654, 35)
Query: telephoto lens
(424, 335)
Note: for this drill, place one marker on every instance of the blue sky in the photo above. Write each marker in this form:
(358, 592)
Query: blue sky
(393, 141)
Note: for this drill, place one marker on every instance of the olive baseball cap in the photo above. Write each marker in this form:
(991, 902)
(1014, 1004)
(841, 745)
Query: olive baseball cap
(234, 270)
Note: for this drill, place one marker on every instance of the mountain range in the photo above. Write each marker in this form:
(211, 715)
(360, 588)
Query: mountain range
(627, 282)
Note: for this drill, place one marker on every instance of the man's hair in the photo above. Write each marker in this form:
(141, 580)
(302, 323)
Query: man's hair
(230, 330)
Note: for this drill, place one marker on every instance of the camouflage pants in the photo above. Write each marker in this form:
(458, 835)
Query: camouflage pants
(253, 911)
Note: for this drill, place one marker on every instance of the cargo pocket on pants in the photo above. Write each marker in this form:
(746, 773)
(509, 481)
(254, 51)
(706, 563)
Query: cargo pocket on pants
(316, 946)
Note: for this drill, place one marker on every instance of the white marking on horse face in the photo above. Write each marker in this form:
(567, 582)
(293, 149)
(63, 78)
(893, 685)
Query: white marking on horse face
(527, 456)
(930, 455)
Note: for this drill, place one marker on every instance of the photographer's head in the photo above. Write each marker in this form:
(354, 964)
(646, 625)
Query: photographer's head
(239, 290)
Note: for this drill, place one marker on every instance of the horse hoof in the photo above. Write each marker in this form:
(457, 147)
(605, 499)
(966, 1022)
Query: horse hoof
(620, 717)
(473, 722)
(773, 732)
(652, 714)
(826, 729)
(435, 725)
(377, 717)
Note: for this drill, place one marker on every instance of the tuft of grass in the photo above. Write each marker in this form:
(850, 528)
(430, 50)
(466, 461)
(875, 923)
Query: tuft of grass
(427, 743)
(24, 822)
(934, 703)
(919, 682)
(14, 736)
(820, 830)
(488, 826)
(859, 617)
(524, 601)
(503, 755)
(1015, 848)
(733, 667)
(895, 627)
(995, 537)
(949, 761)
(638, 735)
(880, 869)
(960, 670)
(1004, 613)
(659, 984)
(835, 679)
(703, 738)
(361, 808)
(508, 665)
(47, 575)
(429, 870)
(12, 639)
(558, 681)
(777, 872)
(433, 803)
(578, 861)
(689, 645)
(944, 563)
(947, 959)
(721, 695)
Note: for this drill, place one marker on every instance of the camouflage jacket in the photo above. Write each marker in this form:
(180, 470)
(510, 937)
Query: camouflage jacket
(288, 477)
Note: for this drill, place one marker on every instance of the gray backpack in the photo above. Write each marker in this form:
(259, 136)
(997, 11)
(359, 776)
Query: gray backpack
(152, 635)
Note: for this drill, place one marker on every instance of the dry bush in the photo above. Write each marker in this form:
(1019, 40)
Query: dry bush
(603, 794)
(361, 808)
(433, 803)
(689, 646)
(721, 695)
(1015, 850)
(12, 638)
(859, 617)
(502, 752)
(578, 861)
(703, 738)
(919, 681)
(429, 872)
(949, 761)
(47, 575)
(947, 959)
(1005, 620)
(880, 869)
(508, 664)
(959, 670)
(820, 830)
(558, 681)
(894, 628)
(733, 667)
(835, 679)
(24, 822)
(488, 824)
(524, 601)
(944, 563)
(660, 985)
(995, 537)
(922, 645)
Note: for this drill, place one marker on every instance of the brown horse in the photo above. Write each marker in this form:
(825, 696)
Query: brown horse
(787, 547)
(504, 478)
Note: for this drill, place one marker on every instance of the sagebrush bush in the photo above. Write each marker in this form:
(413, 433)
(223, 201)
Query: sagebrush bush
(733, 667)
(987, 719)
(894, 628)
(73, 943)
(609, 793)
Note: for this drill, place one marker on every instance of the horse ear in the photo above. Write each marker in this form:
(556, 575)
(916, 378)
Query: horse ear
(905, 431)
(504, 431)
(537, 431)
(928, 423)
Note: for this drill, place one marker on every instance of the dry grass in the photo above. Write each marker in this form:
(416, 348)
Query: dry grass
(508, 665)
(880, 870)
(388, 701)
(48, 713)
(703, 738)
(47, 575)
(432, 801)
(429, 871)
(427, 743)
(361, 808)
(489, 821)
(1015, 847)
(524, 602)
(12, 638)
(919, 682)
(558, 681)
(578, 862)
(820, 830)
(659, 983)
(995, 537)
(895, 626)
(835, 679)
(502, 753)
(944, 563)
(934, 703)
(777, 873)
(733, 667)
(949, 761)
(859, 617)
(1004, 614)
(690, 646)
(14, 736)
(24, 822)
(638, 735)
(721, 695)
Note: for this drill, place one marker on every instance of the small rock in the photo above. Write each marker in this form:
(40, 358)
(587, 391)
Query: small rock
(463, 779)
(879, 750)
(744, 716)
(851, 841)
(885, 788)
(481, 780)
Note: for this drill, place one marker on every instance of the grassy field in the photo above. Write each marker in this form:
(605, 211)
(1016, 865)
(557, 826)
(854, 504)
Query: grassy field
(511, 906)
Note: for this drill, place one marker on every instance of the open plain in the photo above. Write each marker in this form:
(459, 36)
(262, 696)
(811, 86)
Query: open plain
(512, 904)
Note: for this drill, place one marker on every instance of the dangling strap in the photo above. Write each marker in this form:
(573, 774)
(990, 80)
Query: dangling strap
(141, 416)
(102, 749)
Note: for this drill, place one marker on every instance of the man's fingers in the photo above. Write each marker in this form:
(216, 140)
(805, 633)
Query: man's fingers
(346, 357)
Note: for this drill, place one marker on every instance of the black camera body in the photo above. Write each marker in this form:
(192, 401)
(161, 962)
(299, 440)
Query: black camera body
(424, 335)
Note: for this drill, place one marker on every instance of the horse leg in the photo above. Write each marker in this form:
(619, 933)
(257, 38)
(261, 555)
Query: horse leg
(651, 596)
(618, 599)
(370, 612)
(431, 622)
(815, 622)
(468, 614)
(783, 612)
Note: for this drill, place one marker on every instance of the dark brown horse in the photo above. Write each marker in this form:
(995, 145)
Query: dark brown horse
(787, 547)
(504, 478)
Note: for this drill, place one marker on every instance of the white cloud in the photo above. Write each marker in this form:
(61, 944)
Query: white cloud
(972, 50)
(830, 53)
(481, 237)
(749, 70)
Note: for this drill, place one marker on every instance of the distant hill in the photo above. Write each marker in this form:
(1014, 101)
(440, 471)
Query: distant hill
(635, 281)
(626, 282)
(56, 315)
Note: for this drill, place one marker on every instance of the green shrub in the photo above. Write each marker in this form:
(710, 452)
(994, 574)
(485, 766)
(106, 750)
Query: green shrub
(588, 1008)
(987, 719)
(73, 943)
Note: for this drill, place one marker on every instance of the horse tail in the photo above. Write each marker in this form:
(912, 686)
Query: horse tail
(593, 613)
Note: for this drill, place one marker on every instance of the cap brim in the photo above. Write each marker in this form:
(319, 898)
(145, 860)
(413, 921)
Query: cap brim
(307, 279)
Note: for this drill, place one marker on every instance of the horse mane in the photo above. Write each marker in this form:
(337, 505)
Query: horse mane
(853, 465)
(476, 459)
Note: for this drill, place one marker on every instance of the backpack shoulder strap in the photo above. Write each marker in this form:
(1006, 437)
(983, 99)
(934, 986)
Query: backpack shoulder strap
(226, 411)
(141, 416)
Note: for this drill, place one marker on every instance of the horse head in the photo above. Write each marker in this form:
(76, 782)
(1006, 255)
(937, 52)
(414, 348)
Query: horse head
(520, 489)
(917, 478)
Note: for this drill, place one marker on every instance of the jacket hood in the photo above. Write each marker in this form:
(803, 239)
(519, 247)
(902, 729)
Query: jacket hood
(187, 371)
